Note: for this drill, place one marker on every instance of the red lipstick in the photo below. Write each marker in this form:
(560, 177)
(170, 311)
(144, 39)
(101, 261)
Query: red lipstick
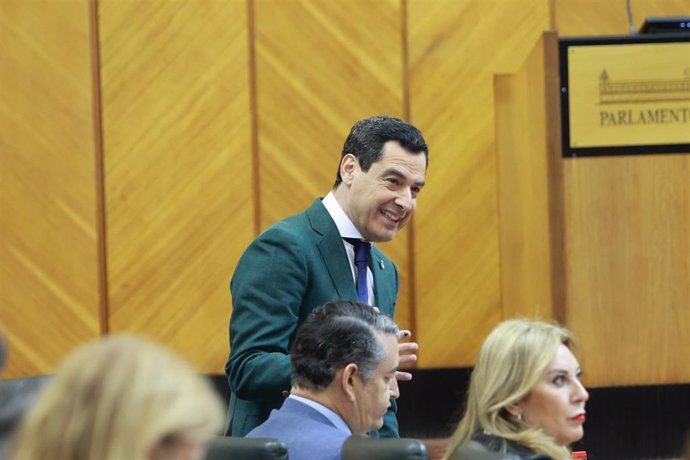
(579, 418)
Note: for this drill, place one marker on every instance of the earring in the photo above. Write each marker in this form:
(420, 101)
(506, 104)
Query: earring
(519, 416)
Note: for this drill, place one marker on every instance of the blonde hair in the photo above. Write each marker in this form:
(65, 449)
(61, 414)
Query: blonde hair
(513, 358)
(118, 398)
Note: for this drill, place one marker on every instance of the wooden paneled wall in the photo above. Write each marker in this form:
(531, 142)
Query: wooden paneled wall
(144, 144)
(178, 175)
(320, 66)
(49, 227)
(455, 49)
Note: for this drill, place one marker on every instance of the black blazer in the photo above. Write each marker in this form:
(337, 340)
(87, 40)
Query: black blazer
(502, 445)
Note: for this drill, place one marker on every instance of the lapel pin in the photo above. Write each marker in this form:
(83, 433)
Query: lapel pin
(381, 264)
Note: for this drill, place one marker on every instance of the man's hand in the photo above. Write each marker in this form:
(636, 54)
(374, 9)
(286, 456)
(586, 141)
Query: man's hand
(408, 354)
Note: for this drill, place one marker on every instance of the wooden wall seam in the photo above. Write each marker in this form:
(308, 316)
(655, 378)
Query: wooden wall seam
(99, 165)
(404, 37)
(555, 177)
(407, 114)
(254, 118)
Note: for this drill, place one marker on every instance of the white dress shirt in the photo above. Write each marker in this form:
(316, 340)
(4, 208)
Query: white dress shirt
(348, 230)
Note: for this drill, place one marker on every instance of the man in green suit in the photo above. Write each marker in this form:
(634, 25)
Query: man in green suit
(308, 259)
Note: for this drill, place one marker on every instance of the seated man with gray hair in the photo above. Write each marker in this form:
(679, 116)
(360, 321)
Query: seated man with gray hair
(344, 359)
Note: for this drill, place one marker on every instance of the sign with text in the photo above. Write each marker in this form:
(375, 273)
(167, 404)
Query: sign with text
(624, 95)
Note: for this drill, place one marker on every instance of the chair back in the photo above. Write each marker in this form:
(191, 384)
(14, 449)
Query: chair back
(362, 448)
(16, 397)
(235, 448)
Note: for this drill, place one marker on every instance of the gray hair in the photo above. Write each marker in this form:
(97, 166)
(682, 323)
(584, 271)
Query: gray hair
(334, 335)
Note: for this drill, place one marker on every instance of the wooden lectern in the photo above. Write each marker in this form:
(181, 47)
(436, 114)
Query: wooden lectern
(598, 242)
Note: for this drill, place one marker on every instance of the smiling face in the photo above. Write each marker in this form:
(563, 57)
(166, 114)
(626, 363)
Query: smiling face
(381, 201)
(372, 398)
(556, 404)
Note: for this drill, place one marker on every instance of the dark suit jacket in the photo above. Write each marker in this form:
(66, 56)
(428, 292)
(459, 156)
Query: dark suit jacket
(307, 433)
(505, 446)
(294, 266)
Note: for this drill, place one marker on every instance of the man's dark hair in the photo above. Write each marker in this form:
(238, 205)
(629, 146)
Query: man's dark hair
(334, 335)
(367, 137)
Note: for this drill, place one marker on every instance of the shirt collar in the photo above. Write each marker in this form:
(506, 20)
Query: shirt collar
(345, 226)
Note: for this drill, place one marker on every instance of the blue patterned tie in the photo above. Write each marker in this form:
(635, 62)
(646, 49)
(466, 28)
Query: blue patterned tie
(362, 251)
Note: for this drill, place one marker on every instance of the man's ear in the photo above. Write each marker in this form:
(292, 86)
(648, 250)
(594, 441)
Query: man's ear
(348, 165)
(347, 381)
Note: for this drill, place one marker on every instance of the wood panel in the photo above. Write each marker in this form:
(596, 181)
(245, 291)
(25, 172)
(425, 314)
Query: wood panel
(321, 66)
(610, 17)
(176, 124)
(49, 289)
(523, 190)
(627, 246)
(455, 47)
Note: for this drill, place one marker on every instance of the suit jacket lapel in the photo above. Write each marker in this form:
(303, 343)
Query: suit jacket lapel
(383, 279)
(332, 250)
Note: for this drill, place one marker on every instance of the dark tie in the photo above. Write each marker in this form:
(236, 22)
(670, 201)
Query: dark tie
(362, 251)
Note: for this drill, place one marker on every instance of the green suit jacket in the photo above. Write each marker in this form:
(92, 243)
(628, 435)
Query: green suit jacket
(293, 267)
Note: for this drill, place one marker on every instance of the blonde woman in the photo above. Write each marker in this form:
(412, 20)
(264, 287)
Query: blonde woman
(525, 396)
(121, 398)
